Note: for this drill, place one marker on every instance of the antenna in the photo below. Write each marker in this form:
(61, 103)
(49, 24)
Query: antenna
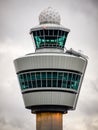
(76, 53)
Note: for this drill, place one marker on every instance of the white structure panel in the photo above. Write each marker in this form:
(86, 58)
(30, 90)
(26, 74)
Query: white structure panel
(49, 98)
(50, 26)
(49, 60)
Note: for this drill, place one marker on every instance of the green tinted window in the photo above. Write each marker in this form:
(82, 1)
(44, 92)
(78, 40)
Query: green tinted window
(65, 76)
(49, 75)
(43, 74)
(49, 79)
(33, 76)
(28, 77)
(64, 83)
(50, 38)
(54, 83)
(74, 77)
(70, 76)
(38, 76)
(23, 86)
(54, 75)
(60, 75)
(30, 84)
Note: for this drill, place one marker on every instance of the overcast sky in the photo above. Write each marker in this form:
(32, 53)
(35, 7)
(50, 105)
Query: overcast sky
(16, 19)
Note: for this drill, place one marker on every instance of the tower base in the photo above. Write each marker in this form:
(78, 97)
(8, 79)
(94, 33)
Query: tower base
(49, 121)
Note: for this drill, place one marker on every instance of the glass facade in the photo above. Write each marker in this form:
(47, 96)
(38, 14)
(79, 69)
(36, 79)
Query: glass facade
(50, 38)
(59, 79)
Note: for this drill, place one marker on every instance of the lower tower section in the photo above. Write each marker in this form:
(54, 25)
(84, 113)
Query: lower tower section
(49, 121)
(50, 82)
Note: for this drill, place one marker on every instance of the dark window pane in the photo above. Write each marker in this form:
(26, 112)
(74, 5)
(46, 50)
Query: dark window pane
(56, 32)
(74, 77)
(60, 32)
(48, 83)
(63, 33)
(28, 76)
(77, 78)
(54, 75)
(59, 83)
(50, 32)
(21, 79)
(34, 84)
(75, 85)
(64, 84)
(34, 33)
(43, 83)
(43, 75)
(37, 41)
(23, 86)
(70, 76)
(68, 84)
(41, 32)
(38, 83)
(48, 75)
(72, 85)
(38, 75)
(54, 83)
(26, 84)
(33, 76)
(38, 33)
(46, 32)
(65, 76)
(60, 75)
(24, 76)
(61, 41)
(30, 84)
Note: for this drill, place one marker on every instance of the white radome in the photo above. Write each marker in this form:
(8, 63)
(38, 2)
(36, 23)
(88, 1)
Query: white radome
(49, 15)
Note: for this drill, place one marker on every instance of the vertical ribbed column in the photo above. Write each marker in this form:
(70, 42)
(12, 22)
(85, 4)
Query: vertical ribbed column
(49, 121)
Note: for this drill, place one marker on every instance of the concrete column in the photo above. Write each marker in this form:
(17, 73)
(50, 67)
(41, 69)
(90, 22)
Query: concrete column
(49, 121)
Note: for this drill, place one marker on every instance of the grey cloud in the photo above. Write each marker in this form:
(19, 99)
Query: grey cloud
(91, 123)
(12, 112)
(17, 17)
(88, 100)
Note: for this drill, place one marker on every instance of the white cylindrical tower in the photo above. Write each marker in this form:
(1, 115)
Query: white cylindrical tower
(50, 79)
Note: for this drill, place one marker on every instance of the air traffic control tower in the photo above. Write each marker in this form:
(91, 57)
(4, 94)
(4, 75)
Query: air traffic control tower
(51, 78)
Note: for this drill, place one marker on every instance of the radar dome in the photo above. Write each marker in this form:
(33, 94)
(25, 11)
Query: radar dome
(49, 15)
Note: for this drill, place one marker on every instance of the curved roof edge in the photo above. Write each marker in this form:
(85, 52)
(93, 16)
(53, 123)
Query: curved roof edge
(49, 26)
